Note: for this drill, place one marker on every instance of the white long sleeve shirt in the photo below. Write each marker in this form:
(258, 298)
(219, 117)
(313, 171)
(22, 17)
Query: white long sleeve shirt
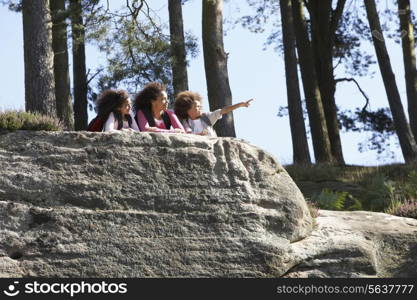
(112, 124)
(198, 126)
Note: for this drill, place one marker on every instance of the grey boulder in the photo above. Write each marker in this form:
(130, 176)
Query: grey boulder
(78, 204)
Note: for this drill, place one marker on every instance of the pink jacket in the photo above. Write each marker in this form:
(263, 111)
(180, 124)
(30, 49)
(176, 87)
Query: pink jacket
(159, 124)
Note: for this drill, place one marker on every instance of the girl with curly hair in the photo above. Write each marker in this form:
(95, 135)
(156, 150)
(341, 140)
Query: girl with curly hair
(151, 106)
(114, 108)
(188, 108)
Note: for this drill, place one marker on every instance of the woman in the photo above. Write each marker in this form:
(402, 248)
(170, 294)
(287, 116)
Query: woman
(114, 108)
(151, 106)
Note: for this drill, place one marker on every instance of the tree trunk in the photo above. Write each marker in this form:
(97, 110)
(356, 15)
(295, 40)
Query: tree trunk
(79, 68)
(215, 63)
(179, 59)
(320, 137)
(407, 142)
(323, 44)
(409, 55)
(39, 57)
(301, 153)
(61, 72)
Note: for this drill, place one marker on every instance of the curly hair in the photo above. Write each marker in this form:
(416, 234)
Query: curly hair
(109, 101)
(149, 93)
(183, 102)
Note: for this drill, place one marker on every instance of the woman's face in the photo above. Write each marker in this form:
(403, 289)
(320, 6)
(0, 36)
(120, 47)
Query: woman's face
(125, 107)
(161, 103)
(195, 111)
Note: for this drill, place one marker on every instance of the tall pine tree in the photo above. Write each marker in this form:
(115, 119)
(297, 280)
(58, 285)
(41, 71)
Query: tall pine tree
(38, 57)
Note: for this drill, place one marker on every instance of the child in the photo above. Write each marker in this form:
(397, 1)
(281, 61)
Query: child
(152, 113)
(187, 107)
(114, 109)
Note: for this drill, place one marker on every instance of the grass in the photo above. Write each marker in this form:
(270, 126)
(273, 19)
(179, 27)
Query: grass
(20, 120)
(390, 188)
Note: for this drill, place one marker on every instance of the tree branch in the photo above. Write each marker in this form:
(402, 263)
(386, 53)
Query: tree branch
(338, 63)
(92, 77)
(359, 87)
(336, 16)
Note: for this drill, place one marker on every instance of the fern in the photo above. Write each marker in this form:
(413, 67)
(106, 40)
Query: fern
(330, 200)
(352, 203)
(380, 193)
(409, 188)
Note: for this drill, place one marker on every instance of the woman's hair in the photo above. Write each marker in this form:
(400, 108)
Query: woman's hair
(109, 101)
(149, 93)
(183, 102)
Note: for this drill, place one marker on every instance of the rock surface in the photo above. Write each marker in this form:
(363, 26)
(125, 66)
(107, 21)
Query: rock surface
(79, 204)
(144, 204)
(356, 244)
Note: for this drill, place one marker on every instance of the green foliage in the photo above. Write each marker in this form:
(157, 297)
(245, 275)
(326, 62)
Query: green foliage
(384, 194)
(391, 22)
(383, 188)
(352, 31)
(404, 204)
(352, 203)
(348, 52)
(15, 120)
(136, 57)
(379, 123)
(14, 5)
(409, 187)
(314, 172)
(137, 49)
(334, 200)
(330, 200)
(379, 193)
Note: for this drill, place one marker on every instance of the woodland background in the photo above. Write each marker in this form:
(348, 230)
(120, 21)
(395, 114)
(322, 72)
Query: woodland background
(128, 43)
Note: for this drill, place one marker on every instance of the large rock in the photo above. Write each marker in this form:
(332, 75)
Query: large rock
(144, 204)
(169, 205)
(356, 244)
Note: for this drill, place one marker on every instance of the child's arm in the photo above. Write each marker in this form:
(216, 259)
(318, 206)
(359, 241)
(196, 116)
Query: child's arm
(230, 108)
(144, 125)
(175, 122)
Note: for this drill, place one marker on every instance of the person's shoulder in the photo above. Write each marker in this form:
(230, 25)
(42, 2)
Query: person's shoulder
(213, 116)
(214, 112)
(171, 113)
(140, 112)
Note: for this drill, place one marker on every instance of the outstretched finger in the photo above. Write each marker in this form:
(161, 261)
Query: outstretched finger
(249, 101)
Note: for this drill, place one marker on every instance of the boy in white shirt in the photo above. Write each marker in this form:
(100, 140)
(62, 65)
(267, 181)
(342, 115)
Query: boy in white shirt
(187, 107)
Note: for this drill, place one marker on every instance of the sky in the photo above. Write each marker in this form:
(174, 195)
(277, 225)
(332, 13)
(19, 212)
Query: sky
(253, 73)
